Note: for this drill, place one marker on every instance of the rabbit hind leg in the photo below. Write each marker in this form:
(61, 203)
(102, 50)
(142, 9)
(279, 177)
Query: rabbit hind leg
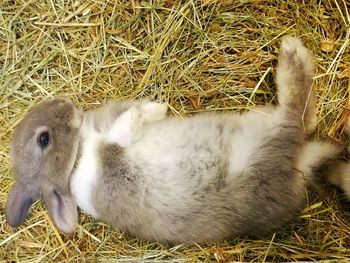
(294, 79)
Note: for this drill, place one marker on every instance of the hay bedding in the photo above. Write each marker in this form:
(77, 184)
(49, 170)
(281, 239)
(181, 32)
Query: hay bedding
(207, 55)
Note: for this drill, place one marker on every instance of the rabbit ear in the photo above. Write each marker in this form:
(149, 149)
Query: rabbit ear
(18, 204)
(153, 111)
(62, 210)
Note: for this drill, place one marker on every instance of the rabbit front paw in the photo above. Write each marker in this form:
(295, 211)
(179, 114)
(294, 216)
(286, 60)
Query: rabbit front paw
(126, 128)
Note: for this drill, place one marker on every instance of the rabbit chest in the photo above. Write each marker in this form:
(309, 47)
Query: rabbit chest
(86, 172)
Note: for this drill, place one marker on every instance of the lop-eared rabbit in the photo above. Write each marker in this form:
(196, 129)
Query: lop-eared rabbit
(205, 178)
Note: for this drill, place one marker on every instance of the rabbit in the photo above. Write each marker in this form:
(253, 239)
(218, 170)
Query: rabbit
(205, 178)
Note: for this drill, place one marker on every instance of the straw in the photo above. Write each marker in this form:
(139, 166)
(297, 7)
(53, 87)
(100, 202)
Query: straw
(197, 56)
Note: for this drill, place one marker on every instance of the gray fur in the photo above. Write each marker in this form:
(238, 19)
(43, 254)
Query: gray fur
(219, 205)
(205, 178)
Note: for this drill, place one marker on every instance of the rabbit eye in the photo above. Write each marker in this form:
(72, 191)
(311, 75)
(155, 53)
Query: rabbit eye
(44, 139)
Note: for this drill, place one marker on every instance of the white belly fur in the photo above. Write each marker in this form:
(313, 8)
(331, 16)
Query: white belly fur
(85, 175)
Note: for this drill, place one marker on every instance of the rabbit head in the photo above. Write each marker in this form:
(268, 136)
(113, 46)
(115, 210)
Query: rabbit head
(44, 148)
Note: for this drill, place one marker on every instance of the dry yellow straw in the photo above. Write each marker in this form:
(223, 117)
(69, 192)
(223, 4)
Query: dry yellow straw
(197, 56)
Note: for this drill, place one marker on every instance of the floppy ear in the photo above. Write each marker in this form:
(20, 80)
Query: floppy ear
(62, 210)
(18, 204)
